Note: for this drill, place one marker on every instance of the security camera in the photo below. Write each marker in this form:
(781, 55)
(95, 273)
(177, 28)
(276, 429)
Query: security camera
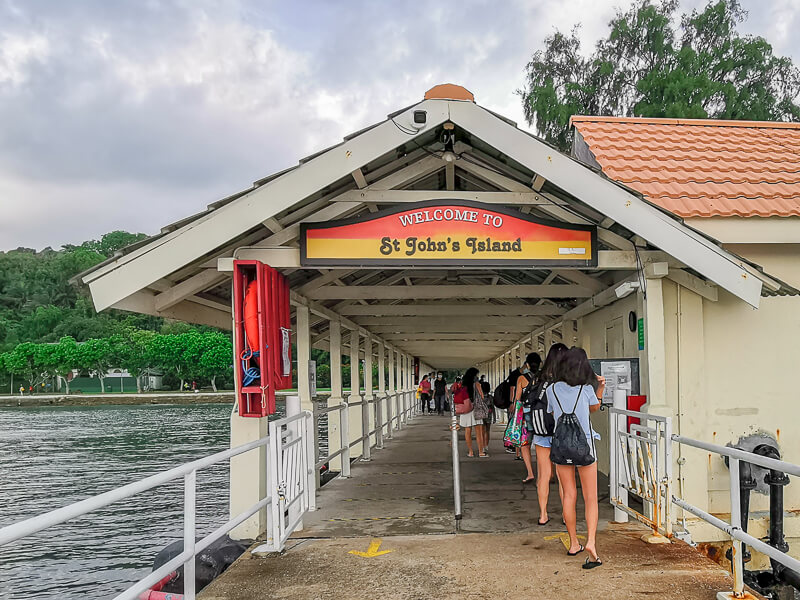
(626, 288)
(419, 119)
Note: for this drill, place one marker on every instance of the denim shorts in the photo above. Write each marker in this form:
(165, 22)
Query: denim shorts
(543, 441)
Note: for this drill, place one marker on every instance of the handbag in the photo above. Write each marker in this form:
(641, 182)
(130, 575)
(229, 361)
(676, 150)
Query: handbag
(569, 440)
(462, 402)
(516, 434)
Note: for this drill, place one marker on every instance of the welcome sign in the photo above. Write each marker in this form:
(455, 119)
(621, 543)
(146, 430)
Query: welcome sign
(448, 233)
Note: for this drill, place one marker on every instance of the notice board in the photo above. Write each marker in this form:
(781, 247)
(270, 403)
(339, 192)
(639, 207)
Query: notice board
(616, 371)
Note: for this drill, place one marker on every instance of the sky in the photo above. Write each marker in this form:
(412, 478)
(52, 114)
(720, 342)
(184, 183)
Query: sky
(133, 114)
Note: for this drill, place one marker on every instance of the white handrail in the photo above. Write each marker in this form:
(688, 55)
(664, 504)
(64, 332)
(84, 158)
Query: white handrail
(35, 524)
(396, 419)
(735, 529)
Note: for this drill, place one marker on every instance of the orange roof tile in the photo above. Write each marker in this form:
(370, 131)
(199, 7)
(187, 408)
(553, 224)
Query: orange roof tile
(701, 167)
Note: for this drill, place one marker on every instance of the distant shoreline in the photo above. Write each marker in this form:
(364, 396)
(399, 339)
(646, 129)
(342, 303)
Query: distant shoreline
(40, 400)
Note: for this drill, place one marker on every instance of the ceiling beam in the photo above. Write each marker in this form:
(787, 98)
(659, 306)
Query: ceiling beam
(459, 310)
(289, 258)
(411, 196)
(581, 278)
(434, 322)
(383, 292)
(448, 336)
(202, 281)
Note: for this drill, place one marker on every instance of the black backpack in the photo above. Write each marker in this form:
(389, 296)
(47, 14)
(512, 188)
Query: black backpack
(540, 422)
(502, 395)
(569, 440)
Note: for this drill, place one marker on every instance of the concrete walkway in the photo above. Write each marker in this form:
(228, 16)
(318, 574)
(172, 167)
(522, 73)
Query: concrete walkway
(402, 502)
(407, 489)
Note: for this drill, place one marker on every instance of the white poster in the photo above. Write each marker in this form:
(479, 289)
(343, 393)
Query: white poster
(312, 377)
(286, 351)
(616, 374)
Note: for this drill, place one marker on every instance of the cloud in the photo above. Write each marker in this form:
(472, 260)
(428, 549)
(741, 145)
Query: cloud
(134, 114)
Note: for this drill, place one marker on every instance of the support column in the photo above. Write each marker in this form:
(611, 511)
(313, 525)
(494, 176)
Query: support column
(248, 475)
(367, 409)
(303, 358)
(337, 397)
(548, 339)
(655, 343)
(381, 403)
(355, 387)
(569, 331)
(391, 405)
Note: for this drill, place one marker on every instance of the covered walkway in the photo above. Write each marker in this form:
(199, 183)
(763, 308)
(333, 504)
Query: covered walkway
(403, 499)
(407, 489)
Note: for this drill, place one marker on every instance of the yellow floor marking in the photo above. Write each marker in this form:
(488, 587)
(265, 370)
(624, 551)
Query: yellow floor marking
(372, 551)
(564, 537)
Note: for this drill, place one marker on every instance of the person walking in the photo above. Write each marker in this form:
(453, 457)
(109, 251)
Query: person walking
(543, 440)
(480, 410)
(574, 391)
(452, 392)
(522, 380)
(425, 393)
(491, 417)
(439, 393)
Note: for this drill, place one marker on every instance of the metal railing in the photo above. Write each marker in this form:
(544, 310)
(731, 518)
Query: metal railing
(734, 529)
(292, 476)
(641, 465)
(399, 409)
(285, 448)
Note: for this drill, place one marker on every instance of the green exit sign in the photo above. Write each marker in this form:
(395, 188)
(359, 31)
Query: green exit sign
(640, 329)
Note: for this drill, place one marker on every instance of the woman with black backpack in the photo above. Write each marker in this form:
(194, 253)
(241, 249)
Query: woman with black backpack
(543, 424)
(521, 381)
(571, 399)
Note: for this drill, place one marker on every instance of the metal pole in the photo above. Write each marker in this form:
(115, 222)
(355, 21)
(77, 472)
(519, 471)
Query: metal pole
(456, 463)
(668, 477)
(736, 523)
(189, 486)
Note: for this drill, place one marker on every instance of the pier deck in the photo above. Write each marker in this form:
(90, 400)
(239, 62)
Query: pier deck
(403, 500)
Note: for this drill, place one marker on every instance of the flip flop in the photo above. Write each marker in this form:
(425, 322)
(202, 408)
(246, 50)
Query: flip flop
(529, 480)
(483, 456)
(591, 564)
(470, 456)
(576, 553)
(540, 524)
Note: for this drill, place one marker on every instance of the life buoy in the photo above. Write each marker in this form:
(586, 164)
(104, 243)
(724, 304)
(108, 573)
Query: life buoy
(251, 316)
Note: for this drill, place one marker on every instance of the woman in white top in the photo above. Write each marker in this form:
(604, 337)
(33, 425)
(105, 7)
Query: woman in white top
(574, 387)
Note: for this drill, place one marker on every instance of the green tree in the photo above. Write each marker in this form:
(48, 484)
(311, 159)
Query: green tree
(25, 360)
(97, 356)
(654, 64)
(171, 353)
(216, 356)
(67, 358)
(135, 352)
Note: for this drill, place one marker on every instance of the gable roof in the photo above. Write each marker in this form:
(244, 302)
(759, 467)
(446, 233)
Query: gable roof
(270, 212)
(699, 167)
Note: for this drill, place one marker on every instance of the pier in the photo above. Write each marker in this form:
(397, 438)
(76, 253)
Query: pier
(388, 531)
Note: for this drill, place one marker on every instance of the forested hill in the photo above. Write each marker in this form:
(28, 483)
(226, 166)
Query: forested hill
(39, 304)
